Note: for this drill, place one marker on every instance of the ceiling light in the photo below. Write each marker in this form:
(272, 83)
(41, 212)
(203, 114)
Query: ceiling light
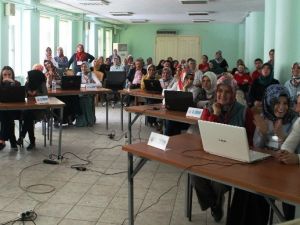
(121, 13)
(93, 2)
(139, 21)
(189, 2)
(198, 13)
(202, 20)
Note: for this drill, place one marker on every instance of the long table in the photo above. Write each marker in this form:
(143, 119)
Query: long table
(158, 111)
(30, 104)
(82, 91)
(137, 93)
(267, 178)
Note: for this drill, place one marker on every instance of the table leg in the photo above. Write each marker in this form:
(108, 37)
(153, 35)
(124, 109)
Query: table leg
(122, 107)
(106, 111)
(275, 209)
(51, 126)
(129, 129)
(130, 190)
(60, 132)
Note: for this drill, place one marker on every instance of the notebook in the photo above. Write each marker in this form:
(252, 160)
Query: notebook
(153, 86)
(178, 100)
(115, 80)
(70, 82)
(12, 94)
(228, 141)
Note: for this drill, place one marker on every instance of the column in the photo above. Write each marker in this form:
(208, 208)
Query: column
(254, 38)
(270, 20)
(241, 33)
(287, 33)
(3, 37)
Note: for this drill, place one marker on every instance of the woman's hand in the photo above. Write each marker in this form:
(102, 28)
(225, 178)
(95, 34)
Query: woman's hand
(278, 130)
(217, 109)
(8, 80)
(287, 157)
(261, 124)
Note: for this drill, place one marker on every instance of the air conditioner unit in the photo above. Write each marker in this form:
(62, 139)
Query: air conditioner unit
(166, 32)
(10, 9)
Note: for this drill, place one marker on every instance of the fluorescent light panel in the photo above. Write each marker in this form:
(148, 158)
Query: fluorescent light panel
(121, 13)
(198, 13)
(93, 2)
(201, 20)
(193, 2)
(139, 21)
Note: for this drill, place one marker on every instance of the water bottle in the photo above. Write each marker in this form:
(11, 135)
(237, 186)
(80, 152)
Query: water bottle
(53, 85)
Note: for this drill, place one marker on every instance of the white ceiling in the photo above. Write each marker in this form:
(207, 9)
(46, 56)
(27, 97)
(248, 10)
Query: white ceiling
(162, 11)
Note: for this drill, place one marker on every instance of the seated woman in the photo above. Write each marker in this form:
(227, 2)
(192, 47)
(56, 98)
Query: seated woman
(293, 84)
(259, 86)
(7, 79)
(87, 117)
(225, 110)
(71, 109)
(151, 75)
(166, 80)
(207, 92)
(35, 86)
(173, 127)
(290, 154)
(242, 78)
(272, 127)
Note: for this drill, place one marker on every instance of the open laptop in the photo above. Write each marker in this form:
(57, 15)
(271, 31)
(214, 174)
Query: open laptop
(178, 100)
(227, 141)
(12, 94)
(70, 82)
(115, 80)
(153, 86)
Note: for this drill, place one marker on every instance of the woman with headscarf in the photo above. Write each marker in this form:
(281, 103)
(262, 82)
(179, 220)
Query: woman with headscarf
(48, 56)
(225, 110)
(272, 127)
(7, 132)
(259, 86)
(87, 117)
(35, 86)
(79, 57)
(61, 59)
(208, 90)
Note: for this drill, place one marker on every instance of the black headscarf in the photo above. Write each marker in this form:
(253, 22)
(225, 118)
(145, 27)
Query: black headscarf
(35, 79)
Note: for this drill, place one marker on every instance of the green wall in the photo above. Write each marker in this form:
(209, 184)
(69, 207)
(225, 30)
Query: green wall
(141, 38)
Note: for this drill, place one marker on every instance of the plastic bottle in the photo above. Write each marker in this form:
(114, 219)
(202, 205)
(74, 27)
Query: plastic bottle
(53, 85)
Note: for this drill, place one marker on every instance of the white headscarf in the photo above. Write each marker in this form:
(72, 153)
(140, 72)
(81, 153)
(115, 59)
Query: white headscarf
(213, 80)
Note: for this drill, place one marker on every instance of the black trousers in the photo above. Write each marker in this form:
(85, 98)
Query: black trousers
(7, 131)
(174, 128)
(209, 193)
(28, 124)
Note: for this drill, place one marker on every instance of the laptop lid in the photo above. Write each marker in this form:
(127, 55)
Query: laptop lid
(115, 80)
(225, 140)
(12, 94)
(70, 82)
(178, 100)
(153, 86)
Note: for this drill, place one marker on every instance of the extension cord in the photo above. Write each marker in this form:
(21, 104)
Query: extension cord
(27, 216)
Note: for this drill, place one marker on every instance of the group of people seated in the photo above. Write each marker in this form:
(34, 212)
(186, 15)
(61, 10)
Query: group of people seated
(257, 101)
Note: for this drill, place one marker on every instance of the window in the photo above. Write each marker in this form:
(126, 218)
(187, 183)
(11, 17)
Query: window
(46, 35)
(100, 42)
(14, 42)
(65, 30)
(108, 43)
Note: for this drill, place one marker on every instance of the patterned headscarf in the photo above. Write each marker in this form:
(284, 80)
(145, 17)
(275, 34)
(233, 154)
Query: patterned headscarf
(271, 97)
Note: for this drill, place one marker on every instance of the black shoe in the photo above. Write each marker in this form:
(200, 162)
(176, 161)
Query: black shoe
(30, 147)
(217, 212)
(20, 142)
(13, 145)
(2, 146)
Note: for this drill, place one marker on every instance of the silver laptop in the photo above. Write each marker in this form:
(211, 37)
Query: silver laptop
(227, 141)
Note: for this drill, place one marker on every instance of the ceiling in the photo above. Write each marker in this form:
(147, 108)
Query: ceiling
(161, 11)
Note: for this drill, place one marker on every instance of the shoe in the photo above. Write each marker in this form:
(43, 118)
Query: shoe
(30, 147)
(217, 213)
(13, 145)
(20, 142)
(2, 146)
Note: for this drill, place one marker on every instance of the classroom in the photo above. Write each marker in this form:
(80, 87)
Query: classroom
(171, 112)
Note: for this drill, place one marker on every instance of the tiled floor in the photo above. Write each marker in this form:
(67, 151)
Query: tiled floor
(89, 198)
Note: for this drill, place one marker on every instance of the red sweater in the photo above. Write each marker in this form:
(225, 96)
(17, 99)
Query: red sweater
(203, 67)
(256, 74)
(242, 78)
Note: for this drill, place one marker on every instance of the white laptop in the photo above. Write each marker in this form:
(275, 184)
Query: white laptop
(227, 141)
